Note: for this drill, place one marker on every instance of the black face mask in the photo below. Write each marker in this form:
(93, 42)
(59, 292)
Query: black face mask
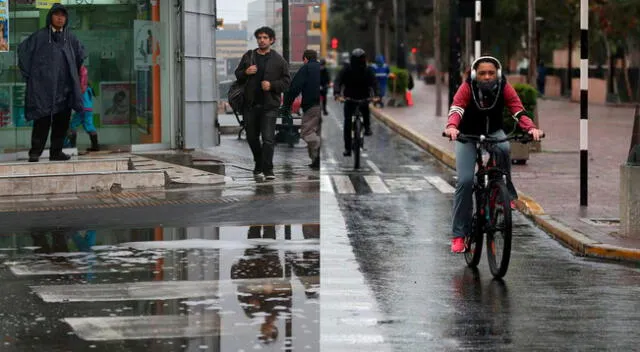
(487, 91)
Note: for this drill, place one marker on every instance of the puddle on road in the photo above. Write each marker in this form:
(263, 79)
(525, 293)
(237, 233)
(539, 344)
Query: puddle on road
(161, 289)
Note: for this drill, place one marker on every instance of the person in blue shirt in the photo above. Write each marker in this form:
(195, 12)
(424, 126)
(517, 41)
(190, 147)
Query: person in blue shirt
(85, 117)
(382, 71)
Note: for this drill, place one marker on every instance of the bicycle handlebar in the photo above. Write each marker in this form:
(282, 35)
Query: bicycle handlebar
(358, 101)
(464, 138)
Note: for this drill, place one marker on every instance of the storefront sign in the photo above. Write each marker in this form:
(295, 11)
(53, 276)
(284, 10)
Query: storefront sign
(45, 4)
(117, 105)
(4, 25)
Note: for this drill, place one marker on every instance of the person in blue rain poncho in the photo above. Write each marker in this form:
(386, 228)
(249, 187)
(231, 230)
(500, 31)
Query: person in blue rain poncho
(382, 71)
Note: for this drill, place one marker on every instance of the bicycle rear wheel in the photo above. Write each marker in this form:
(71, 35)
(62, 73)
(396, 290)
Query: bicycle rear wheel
(357, 141)
(499, 229)
(473, 243)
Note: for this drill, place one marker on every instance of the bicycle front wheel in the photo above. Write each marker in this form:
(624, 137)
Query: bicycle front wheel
(473, 243)
(499, 229)
(357, 141)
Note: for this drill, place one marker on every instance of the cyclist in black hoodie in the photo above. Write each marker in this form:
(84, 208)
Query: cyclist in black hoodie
(356, 81)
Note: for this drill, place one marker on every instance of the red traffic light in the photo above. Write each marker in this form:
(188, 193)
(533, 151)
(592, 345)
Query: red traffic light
(414, 50)
(334, 43)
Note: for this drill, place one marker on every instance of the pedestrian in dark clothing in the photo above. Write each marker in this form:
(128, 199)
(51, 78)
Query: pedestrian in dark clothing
(325, 83)
(308, 81)
(50, 61)
(266, 76)
(540, 79)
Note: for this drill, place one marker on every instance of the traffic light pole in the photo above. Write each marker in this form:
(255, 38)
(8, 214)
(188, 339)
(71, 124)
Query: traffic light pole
(323, 28)
(455, 48)
(285, 30)
(401, 52)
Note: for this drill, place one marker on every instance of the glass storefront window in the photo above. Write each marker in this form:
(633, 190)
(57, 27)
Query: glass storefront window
(122, 42)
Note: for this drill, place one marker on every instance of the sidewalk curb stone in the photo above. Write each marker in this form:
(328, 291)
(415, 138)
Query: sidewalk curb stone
(579, 243)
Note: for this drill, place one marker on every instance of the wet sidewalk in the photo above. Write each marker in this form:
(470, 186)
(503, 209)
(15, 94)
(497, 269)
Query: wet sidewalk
(549, 183)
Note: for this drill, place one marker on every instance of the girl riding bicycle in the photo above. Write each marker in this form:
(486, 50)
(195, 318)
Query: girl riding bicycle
(477, 109)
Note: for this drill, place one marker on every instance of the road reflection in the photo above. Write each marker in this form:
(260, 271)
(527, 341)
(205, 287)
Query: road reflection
(482, 311)
(200, 288)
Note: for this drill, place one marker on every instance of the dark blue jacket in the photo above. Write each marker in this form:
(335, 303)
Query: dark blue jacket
(307, 82)
(44, 62)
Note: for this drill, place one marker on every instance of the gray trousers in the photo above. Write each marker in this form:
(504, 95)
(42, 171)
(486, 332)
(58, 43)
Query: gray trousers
(310, 130)
(465, 167)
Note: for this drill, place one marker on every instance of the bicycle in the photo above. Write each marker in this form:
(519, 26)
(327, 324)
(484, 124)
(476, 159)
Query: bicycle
(357, 129)
(491, 206)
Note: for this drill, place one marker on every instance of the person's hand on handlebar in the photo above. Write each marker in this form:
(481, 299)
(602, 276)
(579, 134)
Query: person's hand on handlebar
(536, 134)
(452, 133)
(375, 99)
(338, 98)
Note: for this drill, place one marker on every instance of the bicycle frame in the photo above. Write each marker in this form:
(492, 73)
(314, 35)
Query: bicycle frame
(486, 173)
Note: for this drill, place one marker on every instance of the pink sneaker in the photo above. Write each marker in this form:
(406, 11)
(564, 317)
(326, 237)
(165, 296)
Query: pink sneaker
(513, 204)
(457, 245)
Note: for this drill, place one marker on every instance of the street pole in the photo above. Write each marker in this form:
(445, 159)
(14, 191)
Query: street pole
(436, 50)
(531, 43)
(401, 54)
(376, 32)
(286, 35)
(478, 38)
(454, 50)
(323, 29)
(468, 41)
(584, 101)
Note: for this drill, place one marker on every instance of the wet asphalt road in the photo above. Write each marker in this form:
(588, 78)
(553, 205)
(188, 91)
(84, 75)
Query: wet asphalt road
(197, 276)
(424, 298)
(233, 268)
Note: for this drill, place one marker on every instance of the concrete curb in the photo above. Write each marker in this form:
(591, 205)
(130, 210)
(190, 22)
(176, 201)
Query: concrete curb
(579, 243)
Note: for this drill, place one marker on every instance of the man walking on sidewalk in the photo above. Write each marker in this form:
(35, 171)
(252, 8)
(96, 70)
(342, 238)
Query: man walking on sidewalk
(307, 82)
(50, 61)
(265, 74)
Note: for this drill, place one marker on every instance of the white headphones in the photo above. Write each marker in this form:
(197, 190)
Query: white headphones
(475, 63)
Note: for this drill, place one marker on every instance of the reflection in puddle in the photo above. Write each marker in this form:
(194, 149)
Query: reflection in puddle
(226, 288)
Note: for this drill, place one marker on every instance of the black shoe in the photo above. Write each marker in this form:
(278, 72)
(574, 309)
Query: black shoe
(257, 170)
(59, 157)
(95, 147)
(315, 164)
(325, 113)
(268, 175)
(34, 158)
(346, 153)
(367, 132)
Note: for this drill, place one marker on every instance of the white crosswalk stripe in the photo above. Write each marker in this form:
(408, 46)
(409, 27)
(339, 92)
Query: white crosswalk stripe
(325, 184)
(376, 184)
(343, 184)
(374, 167)
(440, 184)
(144, 327)
(151, 290)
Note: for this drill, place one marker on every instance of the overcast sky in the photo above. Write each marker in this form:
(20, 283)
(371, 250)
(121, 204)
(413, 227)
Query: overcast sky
(233, 11)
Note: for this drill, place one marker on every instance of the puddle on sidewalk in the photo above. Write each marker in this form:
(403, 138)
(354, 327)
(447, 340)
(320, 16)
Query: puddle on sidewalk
(161, 289)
